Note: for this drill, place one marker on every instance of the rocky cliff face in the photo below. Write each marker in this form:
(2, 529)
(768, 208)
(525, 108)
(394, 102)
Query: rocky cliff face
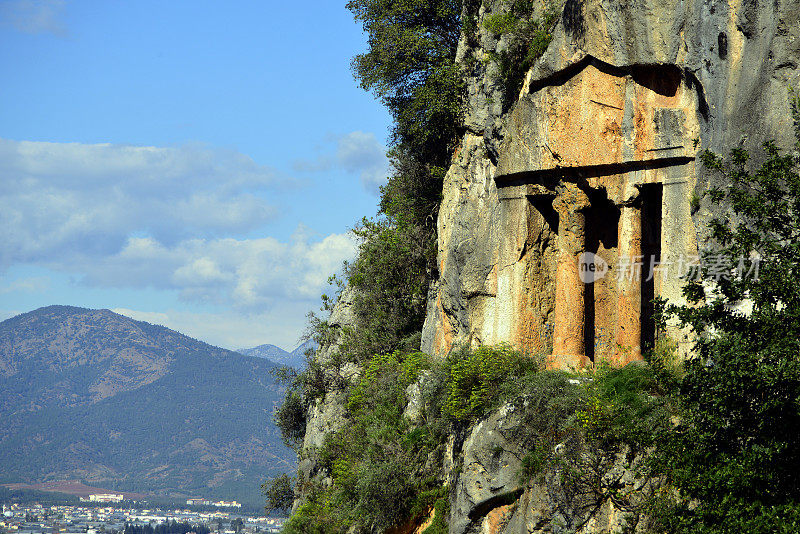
(598, 154)
(584, 491)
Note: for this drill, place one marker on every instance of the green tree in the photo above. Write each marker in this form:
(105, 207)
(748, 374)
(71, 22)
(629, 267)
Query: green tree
(528, 25)
(390, 275)
(410, 65)
(734, 454)
(290, 418)
(279, 492)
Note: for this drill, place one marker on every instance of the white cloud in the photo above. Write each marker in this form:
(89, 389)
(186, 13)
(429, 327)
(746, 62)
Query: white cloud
(246, 274)
(71, 199)
(34, 16)
(179, 220)
(358, 153)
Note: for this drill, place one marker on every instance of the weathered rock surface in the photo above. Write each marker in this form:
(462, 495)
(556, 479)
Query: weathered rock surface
(342, 315)
(327, 415)
(583, 491)
(490, 473)
(599, 155)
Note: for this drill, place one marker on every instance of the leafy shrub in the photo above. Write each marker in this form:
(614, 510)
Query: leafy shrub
(500, 23)
(279, 493)
(441, 511)
(533, 462)
(379, 463)
(632, 403)
(303, 389)
(595, 417)
(734, 452)
(410, 65)
(290, 418)
(568, 417)
(477, 378)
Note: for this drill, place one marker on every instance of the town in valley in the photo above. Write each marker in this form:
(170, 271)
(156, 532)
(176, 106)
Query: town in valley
(35, 518)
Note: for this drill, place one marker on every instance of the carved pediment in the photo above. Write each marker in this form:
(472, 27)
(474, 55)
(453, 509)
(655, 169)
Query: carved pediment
(597, 120)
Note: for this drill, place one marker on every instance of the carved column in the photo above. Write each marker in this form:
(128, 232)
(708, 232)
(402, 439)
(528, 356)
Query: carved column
(568, 329)
(629, 280)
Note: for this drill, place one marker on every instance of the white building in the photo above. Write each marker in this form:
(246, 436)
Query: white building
(106, 497)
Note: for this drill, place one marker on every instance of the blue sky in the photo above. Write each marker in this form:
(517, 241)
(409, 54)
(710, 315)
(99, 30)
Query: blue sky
(193, 164)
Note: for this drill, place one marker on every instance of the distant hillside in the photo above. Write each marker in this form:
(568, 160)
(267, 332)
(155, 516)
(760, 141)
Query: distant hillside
(296, 358)
(96, 396)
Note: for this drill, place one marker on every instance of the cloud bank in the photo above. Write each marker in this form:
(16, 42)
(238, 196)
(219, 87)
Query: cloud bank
(165, 218)
(248, 274)
(230, 330)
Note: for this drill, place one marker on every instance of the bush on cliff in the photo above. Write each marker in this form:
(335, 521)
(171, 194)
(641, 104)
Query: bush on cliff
(735, 453)
(379, 462)
(410, 65)
(477, 380)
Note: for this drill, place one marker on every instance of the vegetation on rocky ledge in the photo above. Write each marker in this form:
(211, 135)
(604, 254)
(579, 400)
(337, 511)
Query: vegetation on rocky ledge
(720, 429)
(386, 464)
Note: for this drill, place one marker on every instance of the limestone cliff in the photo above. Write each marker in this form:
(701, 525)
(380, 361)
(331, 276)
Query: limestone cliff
(598, 154)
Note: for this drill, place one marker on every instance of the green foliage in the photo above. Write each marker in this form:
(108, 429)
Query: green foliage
(694, 203)
(569, 415)
(403, 367)
(391, 282)
(633, 402)
(303, 388)
(436, 500)
(441, 511)
(533, 462)
(528, 30)
(379, 463)
(385, 471)
(279, 493)
(733, 456)
(595, 417)
(167, 527)
(410, 65)
(794, 103)
(500, 23)
(476, 378)
(290, 418)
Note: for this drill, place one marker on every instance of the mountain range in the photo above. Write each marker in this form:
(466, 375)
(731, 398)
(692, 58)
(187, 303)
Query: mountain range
(124, 404)
(295, 358)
